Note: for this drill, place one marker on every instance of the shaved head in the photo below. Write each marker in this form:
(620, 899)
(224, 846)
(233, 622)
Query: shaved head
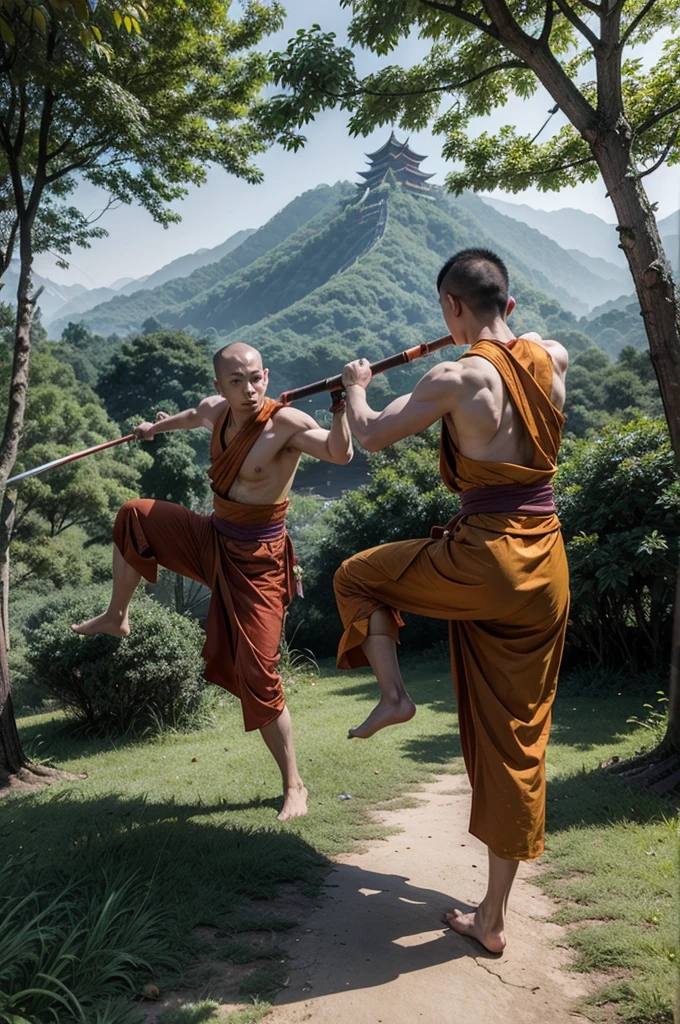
(234, 357)
(479, 278)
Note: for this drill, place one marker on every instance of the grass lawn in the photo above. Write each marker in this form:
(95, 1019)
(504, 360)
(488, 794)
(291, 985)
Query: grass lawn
(190, 821)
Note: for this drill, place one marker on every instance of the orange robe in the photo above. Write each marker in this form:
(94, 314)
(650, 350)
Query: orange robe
(251, 579)
(501, 580)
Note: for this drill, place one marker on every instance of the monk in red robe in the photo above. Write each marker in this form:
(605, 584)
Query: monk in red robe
(241, 551)
(497, 572)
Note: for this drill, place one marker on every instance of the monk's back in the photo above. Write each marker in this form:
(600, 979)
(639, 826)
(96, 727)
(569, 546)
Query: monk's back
(486, 425)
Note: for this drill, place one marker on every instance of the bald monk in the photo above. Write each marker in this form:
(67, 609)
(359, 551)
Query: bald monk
(498, 572)
(242, 551)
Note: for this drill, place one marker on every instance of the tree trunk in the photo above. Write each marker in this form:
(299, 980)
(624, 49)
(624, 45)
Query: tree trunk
(12, 757)
(4, 599)
(660, 307)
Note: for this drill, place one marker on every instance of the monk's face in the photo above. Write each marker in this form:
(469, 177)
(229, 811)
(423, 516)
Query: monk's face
(242, 380)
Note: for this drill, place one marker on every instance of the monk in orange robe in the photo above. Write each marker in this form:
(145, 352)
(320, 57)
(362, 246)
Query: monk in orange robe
(497, 572)
(242, 551)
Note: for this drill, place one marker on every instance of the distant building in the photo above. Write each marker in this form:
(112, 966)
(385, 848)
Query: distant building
(396, 162)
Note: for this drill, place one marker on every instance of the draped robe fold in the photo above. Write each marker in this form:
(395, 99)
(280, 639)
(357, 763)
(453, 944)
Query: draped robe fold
(251, 580)
(501, 580)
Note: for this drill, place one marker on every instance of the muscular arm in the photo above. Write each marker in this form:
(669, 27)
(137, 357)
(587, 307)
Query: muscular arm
(334, 445)
(433, 396)
(204, 415)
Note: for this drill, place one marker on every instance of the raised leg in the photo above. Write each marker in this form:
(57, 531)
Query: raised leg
(395, 705)
(278, 736)
(487, 922)
(114, 621)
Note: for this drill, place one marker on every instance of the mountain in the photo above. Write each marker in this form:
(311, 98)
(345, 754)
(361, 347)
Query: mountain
(587, 234)
(124, 314)
(52, 298)
(359, 280)
(571, 229)
(575, 282)
(185, 265)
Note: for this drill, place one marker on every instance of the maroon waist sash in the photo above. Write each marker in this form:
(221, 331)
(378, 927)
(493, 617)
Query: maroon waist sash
(239, 531)
(523, 499)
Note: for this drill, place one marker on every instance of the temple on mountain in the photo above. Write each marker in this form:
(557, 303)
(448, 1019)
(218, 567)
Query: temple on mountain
(395, 161)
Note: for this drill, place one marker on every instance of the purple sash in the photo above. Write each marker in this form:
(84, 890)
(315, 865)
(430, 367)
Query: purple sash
(523, 499)
(235, 531)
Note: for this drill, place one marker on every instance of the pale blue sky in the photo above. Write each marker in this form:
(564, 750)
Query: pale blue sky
(137, 246)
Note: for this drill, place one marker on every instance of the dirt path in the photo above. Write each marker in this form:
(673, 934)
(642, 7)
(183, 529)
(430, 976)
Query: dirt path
(375, 950)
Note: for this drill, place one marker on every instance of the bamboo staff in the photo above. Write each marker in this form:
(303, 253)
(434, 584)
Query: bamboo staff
(329, 384)
(334, 383)
(68, 458)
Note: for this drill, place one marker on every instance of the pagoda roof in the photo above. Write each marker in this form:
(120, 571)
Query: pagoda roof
(410, 172)
(395, 148)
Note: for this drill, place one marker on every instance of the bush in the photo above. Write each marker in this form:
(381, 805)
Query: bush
(152, 676)
(618, 498)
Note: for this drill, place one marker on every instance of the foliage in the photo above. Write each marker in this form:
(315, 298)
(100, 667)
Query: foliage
(478, 59)
(166, 370)
(153, 369)
(64, 415)
(656, 716)
(70, 949)
(618, 498)
(141, 120)
(113, 685)
(600, 392)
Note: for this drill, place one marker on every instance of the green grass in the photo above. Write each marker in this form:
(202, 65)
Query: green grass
(191, 817)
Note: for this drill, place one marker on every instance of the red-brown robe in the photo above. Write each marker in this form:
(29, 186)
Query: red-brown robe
(249, 572)
(501, 580)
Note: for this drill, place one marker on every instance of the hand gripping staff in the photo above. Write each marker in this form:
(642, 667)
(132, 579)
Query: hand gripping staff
(329, 384)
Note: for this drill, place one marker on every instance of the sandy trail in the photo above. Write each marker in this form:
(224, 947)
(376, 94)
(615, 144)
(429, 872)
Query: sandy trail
(375, 951)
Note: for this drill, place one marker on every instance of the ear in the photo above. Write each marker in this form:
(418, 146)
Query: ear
(511, 306)
(453, 305)
(265, 376)
(218, 389)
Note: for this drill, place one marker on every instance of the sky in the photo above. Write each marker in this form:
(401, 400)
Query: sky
(136, 246)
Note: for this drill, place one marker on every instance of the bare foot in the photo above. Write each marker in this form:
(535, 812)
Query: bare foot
(383, 714)
(474, 926)
(294, 804)
(103, 624)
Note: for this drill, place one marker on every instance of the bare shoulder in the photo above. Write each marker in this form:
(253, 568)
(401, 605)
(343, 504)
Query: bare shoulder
(441, 376)
(291, 419)
(557, 352)
(210, 409)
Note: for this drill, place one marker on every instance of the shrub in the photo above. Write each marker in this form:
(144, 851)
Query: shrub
(154, 675)
(618, 498)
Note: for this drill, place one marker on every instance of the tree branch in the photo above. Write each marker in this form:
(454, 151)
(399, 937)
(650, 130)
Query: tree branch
(542, 61)
(448, 87)
(654, 119)
(636, 21)
(548, 20)
(457, 11)
(578, 23)
(667, 148)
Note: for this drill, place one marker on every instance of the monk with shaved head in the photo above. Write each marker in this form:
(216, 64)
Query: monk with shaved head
(242, 551)
(497, 572)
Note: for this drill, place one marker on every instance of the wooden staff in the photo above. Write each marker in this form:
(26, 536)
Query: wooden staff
(68, 458)
(334, 383)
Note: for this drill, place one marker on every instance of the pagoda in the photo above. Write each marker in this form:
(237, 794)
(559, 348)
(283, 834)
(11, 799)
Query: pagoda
(395, 161)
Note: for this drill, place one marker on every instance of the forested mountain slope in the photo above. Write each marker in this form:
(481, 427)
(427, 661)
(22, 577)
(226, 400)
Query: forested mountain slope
(384, 301)
(125, 314)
